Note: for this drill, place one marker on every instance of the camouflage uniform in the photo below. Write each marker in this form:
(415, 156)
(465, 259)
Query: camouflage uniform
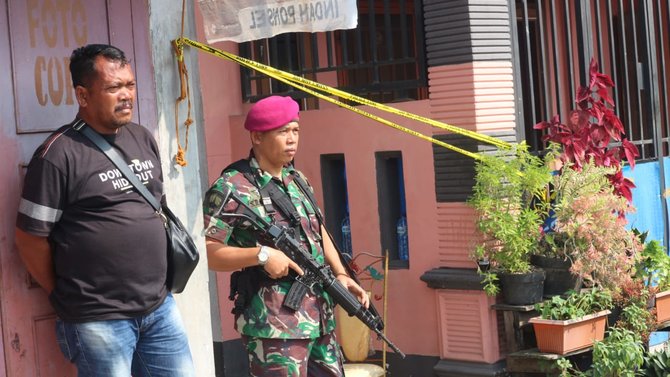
(265, 319)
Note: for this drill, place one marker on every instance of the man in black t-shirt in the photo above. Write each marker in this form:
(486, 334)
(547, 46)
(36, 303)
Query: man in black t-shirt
(93, 242)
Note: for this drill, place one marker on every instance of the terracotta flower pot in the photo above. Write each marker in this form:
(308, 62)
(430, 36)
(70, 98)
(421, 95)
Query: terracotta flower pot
(561, 337)
(663, 306)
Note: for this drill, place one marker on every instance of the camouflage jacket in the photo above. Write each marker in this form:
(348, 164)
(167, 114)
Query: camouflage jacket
(265, 316)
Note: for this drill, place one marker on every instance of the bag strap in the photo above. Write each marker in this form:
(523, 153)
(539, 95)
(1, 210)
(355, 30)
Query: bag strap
(117, 160)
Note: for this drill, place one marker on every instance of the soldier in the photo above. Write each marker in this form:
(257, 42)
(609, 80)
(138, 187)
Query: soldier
(279, 341)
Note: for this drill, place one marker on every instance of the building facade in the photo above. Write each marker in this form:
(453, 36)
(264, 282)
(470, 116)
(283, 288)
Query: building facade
(492, 66)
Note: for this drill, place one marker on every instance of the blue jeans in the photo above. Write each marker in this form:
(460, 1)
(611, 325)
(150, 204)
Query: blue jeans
(151, 345)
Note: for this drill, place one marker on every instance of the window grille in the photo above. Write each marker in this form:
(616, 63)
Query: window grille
(383, 59)
(628, 38)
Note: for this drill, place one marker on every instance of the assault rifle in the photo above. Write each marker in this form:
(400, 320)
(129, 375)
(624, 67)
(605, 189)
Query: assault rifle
(314, 272)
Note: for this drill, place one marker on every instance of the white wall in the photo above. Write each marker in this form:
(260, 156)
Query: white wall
(184, 185)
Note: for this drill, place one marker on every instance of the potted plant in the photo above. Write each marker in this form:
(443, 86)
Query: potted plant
(632, 308)
(589, 228)
(566, 324)
(586, 227)
(654, 270)
(509, 218)
(620, 354)
(589, 187)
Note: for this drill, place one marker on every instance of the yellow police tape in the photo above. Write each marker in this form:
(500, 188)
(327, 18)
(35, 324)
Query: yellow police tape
(305, 85)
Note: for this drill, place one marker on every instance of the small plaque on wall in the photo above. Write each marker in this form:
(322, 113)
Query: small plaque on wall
(43, 34)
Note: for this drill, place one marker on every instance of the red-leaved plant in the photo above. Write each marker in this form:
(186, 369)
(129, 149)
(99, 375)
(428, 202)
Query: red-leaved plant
(590, 130)
(589, 196)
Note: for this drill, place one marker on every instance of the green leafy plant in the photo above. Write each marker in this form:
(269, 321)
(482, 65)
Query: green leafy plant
(509, 214)
(656, 364)
(637, 318)
(565, 368)
(654, 266)
(620, 354)
(490, 282)
(575, 304)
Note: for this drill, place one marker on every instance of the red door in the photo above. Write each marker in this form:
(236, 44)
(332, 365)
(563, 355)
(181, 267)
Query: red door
(36, 97)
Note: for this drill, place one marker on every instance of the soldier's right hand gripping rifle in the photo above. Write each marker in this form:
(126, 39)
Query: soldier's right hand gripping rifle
(315, 273)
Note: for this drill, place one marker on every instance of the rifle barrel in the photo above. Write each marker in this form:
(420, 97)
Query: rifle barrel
(390, 343)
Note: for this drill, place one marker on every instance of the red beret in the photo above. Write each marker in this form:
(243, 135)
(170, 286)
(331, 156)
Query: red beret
(270, 113)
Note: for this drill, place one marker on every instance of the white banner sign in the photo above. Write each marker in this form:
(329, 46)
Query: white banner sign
(247, 20)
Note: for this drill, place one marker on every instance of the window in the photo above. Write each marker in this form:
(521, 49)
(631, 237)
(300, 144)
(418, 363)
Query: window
(555, 43)
(379, 58)
(392, 210)
(383, 59)
(291, 52)
(336, 201)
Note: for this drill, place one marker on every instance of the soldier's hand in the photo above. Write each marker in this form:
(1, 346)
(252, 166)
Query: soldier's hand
(279, 265)
(355, 289)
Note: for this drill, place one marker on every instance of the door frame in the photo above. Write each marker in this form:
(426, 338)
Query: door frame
(128, 29)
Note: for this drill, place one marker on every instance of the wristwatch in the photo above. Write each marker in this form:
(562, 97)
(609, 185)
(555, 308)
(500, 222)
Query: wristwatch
(263, 255)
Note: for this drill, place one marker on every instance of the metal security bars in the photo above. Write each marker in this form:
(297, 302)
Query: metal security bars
(383, 59)
(555, 43)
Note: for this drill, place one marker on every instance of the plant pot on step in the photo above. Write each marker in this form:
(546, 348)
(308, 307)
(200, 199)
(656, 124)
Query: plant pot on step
(564, 336)
(558, 278)
(663, 307)
(522, 289)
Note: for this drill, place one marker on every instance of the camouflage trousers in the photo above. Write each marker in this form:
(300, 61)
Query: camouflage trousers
(320, 357)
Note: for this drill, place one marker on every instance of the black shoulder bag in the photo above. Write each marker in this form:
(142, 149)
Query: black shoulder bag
(182, 254)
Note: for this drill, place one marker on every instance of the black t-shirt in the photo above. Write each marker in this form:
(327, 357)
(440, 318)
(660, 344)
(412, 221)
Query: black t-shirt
(108, 244)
